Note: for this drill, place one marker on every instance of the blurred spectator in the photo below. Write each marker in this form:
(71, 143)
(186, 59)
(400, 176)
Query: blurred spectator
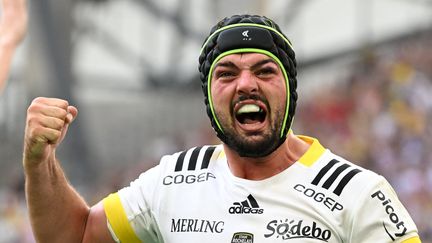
(13, 26)
(14, 221)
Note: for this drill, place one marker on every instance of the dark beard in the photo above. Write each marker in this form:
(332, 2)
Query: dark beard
(269, 141)
(244, 148)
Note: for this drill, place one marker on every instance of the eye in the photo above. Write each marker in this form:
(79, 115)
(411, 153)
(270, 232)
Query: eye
(266, 71)
(224, 74)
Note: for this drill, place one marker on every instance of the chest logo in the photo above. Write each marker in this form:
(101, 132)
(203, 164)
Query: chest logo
(197, 225)
(296, 229)
(248, 206)
(242, 237)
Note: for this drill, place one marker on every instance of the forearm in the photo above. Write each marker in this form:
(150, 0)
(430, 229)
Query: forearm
(6, 54)
(57, 211)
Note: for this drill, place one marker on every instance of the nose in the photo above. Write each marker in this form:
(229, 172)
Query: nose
(247, 83)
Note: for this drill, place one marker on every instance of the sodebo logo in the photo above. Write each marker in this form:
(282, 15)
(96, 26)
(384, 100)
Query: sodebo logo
(292, 229)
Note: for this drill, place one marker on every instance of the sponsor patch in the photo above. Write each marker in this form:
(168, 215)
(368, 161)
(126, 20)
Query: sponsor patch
(242, 237)
(319, 197)
(248, 206)
(187, 179)
(197, 225)
(296, 229)
(394, 218)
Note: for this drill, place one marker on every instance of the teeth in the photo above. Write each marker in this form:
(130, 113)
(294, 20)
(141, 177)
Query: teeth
(248, 108)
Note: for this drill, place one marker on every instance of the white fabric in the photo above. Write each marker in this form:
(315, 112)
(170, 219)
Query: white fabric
(204, 205)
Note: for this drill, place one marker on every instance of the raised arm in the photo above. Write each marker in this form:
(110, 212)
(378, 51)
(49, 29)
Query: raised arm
(57, 212)
(13, 26)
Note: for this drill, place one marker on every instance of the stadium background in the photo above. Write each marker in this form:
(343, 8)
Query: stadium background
(130, 66)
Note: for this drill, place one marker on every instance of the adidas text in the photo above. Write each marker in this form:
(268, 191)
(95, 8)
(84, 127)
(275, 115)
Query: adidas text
(245, 210)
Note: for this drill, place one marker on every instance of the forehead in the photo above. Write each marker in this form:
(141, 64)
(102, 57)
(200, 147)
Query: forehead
(245, 58)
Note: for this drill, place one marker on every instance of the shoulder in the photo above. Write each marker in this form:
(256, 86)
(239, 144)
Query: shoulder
(332, 174)
(341, 176)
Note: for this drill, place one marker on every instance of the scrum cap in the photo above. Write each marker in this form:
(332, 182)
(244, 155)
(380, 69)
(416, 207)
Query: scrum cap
(242, 34)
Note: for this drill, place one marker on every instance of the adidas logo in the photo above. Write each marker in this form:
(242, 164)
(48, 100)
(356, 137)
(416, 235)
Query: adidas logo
(248, 206)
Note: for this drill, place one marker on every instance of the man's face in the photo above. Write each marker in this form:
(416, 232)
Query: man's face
(249, 98)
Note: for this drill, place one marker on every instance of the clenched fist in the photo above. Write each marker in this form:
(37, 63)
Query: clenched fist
(46, 125)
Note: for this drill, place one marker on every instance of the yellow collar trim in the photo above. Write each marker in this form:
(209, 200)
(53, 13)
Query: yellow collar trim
(313, 153)
(309, 158)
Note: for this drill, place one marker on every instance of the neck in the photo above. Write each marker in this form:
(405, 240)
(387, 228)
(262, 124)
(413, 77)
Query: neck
(264, 167)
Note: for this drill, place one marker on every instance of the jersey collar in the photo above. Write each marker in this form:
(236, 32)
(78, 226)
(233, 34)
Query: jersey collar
(313, 153)
(310, 157)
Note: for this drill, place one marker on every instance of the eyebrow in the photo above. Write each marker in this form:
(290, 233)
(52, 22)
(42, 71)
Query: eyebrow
(225, 64)
(255, 66)
(263, 62)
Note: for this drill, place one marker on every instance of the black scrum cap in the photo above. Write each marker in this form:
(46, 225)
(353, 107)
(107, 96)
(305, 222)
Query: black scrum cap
(242, 34)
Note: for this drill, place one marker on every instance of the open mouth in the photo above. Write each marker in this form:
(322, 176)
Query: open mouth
(250, 114)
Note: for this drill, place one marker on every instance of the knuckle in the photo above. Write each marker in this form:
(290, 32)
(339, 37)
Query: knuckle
(58, 123)
(31, 108)
(60, 102)
(33, 120)
(34, 107)
(38, 100)
(62, 113)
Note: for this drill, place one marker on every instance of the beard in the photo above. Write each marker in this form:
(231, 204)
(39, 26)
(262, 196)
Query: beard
(253, 145)
(257, 148)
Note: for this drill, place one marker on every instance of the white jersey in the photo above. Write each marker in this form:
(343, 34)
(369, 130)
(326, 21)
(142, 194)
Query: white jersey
(192, 196)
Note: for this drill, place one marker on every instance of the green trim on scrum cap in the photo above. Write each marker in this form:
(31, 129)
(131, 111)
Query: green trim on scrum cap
(245, 25)
(248, 50)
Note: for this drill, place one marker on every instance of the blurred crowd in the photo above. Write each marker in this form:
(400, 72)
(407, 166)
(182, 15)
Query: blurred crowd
(377, 116)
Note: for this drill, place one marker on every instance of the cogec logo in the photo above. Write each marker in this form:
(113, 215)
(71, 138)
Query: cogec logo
(290, 229)
(188, 179)
(319, 197)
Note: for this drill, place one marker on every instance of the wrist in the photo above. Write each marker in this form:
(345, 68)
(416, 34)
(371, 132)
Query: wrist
(34, 165)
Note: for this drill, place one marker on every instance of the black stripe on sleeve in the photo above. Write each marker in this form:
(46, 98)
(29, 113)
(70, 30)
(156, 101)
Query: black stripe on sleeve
(193, 159)
(323, 171)
(335, 174)
(345, 181)
(180, 160)
(207, 156)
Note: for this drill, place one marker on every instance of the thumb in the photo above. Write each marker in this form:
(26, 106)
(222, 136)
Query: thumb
(72, 114)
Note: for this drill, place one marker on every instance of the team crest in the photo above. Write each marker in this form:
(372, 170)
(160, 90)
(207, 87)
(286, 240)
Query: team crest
(242, 237)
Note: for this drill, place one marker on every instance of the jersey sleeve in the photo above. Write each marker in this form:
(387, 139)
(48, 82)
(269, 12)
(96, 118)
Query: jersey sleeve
(130, 213)
(381, 217)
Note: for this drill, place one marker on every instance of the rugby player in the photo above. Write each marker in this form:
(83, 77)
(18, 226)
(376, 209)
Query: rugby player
(263, 183)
